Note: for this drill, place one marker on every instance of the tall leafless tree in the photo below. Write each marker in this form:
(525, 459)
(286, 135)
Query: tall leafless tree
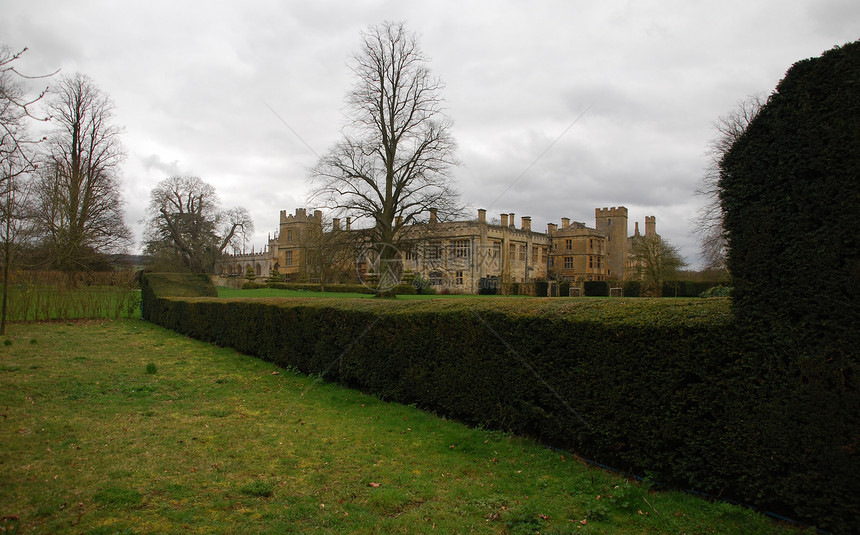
(708, 225)
(187, 227)
(392, 165)
(16, 111)
(79, 207)
(17, 161)
(328, 250)
(654, 261)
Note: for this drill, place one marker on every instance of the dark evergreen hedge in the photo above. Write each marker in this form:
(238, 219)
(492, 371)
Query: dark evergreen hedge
(596, 288)
(171, 285)
(658, 387)
(790, 191)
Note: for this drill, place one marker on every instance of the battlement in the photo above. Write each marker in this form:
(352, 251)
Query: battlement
(619, 211)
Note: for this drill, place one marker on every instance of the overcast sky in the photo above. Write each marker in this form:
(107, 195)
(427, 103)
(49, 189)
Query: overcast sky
(559, 107)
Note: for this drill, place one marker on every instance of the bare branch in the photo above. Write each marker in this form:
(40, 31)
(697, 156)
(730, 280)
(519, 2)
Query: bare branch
(708, 224)
(186, 227)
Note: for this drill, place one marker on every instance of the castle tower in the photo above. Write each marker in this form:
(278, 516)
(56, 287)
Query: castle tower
(650, 225)
(613, 222)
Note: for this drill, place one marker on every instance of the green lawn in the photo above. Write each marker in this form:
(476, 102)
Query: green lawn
(125, 427)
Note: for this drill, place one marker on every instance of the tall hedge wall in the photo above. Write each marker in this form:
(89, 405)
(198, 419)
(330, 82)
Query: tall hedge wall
(653, 386)
(790, 191)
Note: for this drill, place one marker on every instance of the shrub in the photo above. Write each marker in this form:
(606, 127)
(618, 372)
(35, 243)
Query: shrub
(596, 288)
(662, 387)
(717, 291)
(564, 289)
(488, 286)
(790, 194)
(632, 288)
(171, 285)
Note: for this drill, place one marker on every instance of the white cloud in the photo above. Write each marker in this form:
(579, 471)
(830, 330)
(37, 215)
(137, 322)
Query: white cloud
(194, 82)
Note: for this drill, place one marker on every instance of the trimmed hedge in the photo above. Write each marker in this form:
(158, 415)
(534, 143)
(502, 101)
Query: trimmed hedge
(659, 387)
(596, 288)
(790, 192)
(171, 285)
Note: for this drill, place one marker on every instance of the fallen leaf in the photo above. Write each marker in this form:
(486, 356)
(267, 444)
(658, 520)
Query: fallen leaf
(276, 372)
(374, 485)
(584, 521)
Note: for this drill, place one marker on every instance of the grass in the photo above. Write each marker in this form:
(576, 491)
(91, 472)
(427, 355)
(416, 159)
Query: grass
(94, 440)
(37, 303)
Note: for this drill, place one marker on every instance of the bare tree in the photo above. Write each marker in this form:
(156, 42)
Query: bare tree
(654, 261)
(79, 207)
(708, 225)
(186, 225)
(15, 225)
(17, 160)
(328, 250)
(393, 163)
(16, 111)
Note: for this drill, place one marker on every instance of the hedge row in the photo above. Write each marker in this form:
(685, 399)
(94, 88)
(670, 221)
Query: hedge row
(658, 387)
(790, 192)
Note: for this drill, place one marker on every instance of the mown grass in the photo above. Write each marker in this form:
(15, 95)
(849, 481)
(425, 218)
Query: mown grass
(205, 440)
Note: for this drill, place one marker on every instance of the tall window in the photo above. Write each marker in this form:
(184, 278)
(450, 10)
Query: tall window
(568, 244)
(289, 236)
(461, 248)
(459, 277)
(512, 251)
(434, 250)
(568, 262)
(288, 261)
(497, 249)
(522, 252)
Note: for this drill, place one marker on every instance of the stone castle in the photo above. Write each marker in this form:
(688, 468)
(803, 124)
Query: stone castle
(451, 255)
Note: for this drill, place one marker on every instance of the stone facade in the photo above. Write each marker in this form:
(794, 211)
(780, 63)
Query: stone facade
(458, 256)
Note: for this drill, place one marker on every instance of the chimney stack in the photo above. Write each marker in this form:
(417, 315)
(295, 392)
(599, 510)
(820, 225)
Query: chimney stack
(482, 215)
(511, 221)
(504, 220)
(527, 222)
(551, 227)
(636, 228)
(348, 222)
(433, 217)
(398, 220)
(565, 222)
(318, 214)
